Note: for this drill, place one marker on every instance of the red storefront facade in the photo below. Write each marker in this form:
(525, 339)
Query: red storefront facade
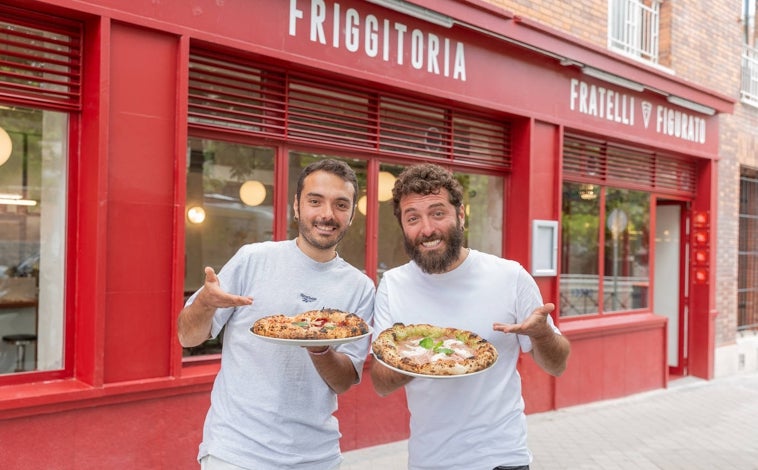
(122, 393)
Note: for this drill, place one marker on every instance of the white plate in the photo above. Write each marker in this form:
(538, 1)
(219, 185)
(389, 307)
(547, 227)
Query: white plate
(424, 376)
(312, 342)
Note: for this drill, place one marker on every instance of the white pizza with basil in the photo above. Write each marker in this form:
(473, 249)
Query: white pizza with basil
(326, 323)
(432, 350)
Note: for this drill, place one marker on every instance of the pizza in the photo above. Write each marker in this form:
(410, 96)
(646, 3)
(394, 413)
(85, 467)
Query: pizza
(432, 350)
(326, 323)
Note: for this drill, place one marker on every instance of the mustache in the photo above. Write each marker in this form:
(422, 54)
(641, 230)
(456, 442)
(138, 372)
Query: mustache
(327, 223)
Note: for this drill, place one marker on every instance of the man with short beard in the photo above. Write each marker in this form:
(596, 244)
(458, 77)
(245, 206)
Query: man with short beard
(475, 422)
(272, 405)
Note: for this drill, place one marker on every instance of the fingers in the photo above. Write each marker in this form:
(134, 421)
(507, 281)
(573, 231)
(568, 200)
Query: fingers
(213, 295)
(538, 316)
(210, 275)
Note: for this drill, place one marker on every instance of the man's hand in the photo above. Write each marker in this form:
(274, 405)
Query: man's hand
(550, 350)
(535, 326)
(194, 323)
(213, 296)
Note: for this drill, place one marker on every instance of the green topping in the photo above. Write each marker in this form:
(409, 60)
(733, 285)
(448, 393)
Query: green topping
(427, 343)
(436, 347)
(302, 324)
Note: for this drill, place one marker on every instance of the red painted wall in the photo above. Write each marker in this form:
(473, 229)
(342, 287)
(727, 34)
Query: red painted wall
(127, 400)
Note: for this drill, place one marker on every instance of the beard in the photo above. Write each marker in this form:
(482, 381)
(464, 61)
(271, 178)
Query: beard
(307, 231)
(436, 262)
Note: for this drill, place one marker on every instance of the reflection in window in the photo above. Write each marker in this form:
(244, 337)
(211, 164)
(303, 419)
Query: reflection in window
(229, 204)
(483, 203)
(627, 236)
(579, 249)
(352, 248)
(625, 240)
(33, 183)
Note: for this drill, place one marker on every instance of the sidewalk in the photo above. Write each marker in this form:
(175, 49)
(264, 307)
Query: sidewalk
(694, 424)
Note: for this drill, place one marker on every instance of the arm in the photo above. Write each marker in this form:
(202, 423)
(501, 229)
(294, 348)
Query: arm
(194, 323)
(386, 380)
(335, 368)
(550, 350)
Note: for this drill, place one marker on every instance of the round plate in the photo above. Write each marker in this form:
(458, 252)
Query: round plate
(312, 342)
(424, 376)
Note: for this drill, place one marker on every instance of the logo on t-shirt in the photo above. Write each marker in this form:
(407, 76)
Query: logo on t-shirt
(307, 298)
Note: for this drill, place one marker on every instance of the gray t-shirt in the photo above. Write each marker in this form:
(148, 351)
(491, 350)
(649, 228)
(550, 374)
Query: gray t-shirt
(270, 409)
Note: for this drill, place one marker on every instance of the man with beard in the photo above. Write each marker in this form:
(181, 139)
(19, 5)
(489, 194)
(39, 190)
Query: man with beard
(272, 405)
(474, 422)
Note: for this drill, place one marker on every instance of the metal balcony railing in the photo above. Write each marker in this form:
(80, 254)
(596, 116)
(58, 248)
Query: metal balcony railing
(633, 28)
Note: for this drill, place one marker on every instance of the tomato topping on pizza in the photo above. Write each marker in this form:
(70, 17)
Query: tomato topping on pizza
(326, 323)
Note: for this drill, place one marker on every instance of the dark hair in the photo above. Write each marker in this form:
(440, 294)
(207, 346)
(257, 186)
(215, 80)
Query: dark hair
(335, 167)
(424, 179)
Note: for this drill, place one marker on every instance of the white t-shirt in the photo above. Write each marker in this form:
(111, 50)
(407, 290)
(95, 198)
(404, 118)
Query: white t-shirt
(475, 422)
(270, 409)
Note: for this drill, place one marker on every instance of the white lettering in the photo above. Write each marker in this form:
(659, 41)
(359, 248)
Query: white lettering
(352, 30)
(295, 15)
(681, 125)
(459, 73)
(417, 49)
(381, 38)
(372, 38)
(336, 28)
(433, 50)
(318, 15)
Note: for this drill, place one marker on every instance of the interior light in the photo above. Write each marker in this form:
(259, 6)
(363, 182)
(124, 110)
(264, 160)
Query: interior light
(252, 192)
(386, 183)
(362, 202)
(16, 200)
(6, 146)
(196, 214)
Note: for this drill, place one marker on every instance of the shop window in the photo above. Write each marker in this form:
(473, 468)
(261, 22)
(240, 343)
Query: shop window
(40, 72)
(634, 28)
(483, 203)
(747, 266)
(229, 203)
(32, 238)
(604, 249)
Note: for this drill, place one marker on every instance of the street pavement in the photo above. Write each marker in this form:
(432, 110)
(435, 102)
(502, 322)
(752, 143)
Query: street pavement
(693, 424)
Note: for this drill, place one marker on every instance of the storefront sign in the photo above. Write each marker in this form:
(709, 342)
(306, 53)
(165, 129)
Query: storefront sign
(377, 38)
(623, 108)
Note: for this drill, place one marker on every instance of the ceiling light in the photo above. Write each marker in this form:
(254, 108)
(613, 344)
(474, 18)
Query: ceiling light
(415, 11)
(700, 108)
(613, 79)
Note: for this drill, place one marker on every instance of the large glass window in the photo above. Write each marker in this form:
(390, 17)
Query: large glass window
(229, 203)
(618, 221)
(483, 203)
(33, 182)
(352, 248)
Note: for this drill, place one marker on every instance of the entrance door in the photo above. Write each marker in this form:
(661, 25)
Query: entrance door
(669, 286)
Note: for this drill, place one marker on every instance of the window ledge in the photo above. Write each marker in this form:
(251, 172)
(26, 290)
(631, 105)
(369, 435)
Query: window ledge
(67, 394)
(611, 324)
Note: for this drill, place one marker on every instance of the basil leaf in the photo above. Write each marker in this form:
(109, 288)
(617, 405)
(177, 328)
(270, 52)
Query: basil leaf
(302, 324)
(447, 351)
(427, 343)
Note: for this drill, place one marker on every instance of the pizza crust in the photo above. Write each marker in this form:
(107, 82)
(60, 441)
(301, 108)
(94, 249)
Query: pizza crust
(326, 323)
(432, 350)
